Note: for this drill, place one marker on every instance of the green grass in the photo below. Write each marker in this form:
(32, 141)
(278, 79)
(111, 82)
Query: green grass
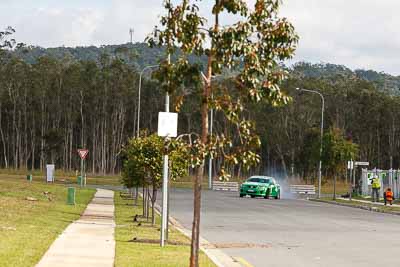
(358, 203)
(142, 254)
(28, 228)
(341, 188)
(62, 177)
(381, 200)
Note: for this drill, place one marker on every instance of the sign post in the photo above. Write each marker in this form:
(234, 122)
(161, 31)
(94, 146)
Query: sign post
(167, 127)
(350, 167)
(361, 163)
(50, 173)
(83, 154)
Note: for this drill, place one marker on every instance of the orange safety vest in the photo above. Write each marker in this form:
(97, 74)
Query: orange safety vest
(389, 195)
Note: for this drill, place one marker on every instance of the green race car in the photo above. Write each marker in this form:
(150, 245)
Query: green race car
(260, 186)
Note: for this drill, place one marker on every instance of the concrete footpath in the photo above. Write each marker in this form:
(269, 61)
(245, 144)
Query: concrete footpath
(88, 241)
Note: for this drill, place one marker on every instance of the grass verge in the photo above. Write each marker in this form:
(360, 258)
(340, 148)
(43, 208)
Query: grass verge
(381, 200)
(143, 254)
(328, 188)
(61, 177)
(28, 228)
(362, 205)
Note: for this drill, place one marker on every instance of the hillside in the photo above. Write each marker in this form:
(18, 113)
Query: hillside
(140, 55)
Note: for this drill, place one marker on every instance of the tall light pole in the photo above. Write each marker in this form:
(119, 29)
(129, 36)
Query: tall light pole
(131, 31)
(165, 193)
(140, 89)
(322, 133)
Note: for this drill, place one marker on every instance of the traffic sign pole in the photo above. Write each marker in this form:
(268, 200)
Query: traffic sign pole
(164, 219)
(82, 166)
(350, 166)
(82, 154)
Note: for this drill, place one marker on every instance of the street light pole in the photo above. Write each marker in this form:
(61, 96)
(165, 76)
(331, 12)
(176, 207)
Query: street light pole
(140, 89)
(322, 133)
(165, 193)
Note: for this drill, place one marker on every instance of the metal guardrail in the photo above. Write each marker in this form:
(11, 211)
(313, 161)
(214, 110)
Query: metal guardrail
(225, 186)
(302, 189)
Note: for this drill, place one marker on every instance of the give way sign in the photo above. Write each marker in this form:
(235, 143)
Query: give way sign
(83, 153)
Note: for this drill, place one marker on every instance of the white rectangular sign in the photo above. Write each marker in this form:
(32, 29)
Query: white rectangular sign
(350, 165)
(167, 124)
(362, 163)
(50, 172)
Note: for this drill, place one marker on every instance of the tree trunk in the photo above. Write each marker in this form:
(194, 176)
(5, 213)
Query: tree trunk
(194, 252)
(153, 201)
(334, 187)
(144, 201)
(136, 195)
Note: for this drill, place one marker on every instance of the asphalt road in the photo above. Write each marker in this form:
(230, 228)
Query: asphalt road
(292, 232)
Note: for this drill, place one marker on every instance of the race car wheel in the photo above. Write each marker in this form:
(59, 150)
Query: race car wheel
(278, 196)
(252, 196)
(267, 194)
(241, 195)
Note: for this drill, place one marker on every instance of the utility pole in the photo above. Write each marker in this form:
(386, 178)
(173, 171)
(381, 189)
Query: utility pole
(322, 134)
(164, 212)
(350, 169)
(131, 31)
(139, 92)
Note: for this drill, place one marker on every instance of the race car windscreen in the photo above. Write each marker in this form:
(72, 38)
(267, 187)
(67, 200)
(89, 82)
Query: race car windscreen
(259, 180)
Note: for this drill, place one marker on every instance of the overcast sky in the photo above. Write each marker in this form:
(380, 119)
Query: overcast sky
(356, 33)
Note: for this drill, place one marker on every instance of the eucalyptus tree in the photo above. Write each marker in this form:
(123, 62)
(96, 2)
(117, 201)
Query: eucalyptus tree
(253, 47)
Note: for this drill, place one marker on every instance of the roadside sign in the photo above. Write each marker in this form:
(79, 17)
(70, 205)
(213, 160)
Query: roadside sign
(83, 153)
(167, 124)
(350, 165)
(362, 163)
(50, 173)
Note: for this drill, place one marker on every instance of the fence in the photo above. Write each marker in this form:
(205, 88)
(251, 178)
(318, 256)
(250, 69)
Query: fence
(302, 189)
(225, 186)
(388, 178)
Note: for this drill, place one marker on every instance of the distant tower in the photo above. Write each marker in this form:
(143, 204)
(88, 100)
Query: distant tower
(131, 31)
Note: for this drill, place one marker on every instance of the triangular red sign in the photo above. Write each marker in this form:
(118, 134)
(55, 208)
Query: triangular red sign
(83, 153)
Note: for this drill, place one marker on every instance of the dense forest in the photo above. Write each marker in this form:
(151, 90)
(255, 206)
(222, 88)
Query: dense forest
(53, 101)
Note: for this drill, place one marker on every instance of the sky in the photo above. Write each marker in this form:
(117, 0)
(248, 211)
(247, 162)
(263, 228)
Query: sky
(356, 33)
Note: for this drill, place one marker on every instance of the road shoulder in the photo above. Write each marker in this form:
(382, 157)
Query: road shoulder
(374, 207)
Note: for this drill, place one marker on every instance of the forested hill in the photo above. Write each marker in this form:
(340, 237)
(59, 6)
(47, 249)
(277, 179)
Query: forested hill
(140, 55)
(381, 80)
(88, 97)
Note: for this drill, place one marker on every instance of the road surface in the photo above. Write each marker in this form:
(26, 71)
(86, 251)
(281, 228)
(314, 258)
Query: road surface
(292, 232)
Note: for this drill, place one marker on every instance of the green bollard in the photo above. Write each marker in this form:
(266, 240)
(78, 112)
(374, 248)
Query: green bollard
(71, 196)
(29, 177)
(80, 180)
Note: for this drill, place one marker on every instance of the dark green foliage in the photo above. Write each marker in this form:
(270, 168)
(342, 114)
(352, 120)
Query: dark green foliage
(42, 100)
(143, 161)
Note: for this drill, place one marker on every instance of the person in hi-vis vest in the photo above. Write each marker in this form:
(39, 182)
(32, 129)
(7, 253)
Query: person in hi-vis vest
(388, 195)
(376, 186)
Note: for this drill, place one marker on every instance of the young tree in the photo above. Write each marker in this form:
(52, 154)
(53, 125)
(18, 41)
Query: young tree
(143, 163)
(336, 152)
(252, 48)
